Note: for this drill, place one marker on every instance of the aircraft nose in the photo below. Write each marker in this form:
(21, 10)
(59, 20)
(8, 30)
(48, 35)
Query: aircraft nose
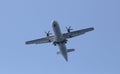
(54, 23)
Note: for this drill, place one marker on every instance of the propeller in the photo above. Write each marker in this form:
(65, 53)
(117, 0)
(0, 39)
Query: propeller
(69, 29)
(48, 33)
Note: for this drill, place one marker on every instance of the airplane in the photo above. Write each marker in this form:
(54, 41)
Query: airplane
(60, 39)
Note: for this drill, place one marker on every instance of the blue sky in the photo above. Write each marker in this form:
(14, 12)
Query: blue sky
(97, 52)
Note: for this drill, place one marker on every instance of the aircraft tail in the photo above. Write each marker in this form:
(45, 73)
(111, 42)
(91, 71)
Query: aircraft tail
(68, 50)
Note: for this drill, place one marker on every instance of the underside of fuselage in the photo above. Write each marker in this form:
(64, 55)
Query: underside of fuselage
(63, 51)
(60, 40)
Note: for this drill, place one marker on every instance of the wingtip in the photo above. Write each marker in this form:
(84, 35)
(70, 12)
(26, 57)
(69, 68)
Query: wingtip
(93, 28)
(27, 43)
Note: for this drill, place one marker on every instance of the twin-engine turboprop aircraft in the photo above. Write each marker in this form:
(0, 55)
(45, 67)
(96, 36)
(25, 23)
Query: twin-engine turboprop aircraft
(60, 39)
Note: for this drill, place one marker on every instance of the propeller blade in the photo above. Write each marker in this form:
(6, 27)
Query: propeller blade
(48, 33)
(69, 29)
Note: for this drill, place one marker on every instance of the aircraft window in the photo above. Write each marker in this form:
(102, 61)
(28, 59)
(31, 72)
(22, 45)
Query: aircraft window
(54, 25)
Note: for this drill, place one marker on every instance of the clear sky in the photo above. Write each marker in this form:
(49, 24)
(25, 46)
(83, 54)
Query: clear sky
(97, 52)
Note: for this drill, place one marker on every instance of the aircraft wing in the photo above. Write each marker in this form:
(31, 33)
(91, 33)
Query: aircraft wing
(41, 40)
(77, 33)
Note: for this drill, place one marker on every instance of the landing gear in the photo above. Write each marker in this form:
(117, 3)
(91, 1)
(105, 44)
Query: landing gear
(61, 42)
(54, 43)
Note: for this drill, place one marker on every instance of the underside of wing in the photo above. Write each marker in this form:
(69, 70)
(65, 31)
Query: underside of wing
(77, 33)
(41, 40)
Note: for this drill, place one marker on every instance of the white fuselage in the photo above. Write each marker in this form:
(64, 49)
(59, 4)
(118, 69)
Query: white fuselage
(59, 39)
(57, 31)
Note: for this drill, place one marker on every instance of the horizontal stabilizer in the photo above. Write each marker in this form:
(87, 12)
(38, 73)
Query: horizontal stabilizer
(58, 52)
(70, 50)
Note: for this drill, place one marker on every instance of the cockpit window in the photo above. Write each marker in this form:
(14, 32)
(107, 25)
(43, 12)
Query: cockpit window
(54, 25)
